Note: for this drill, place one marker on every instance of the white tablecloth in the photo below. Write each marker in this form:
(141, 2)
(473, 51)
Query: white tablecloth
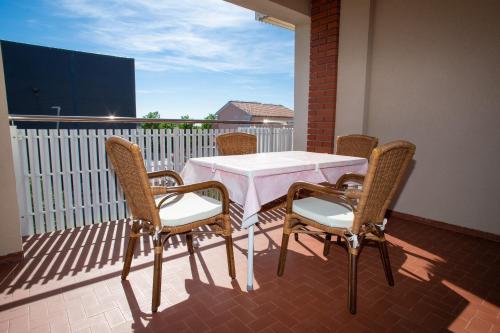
(256, 179)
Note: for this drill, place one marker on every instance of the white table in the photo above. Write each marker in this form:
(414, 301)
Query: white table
(256, 179)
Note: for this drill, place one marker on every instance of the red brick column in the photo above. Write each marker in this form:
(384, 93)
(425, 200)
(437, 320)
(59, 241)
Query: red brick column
(323, 75)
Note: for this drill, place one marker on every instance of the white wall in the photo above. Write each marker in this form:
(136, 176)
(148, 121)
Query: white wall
(301, 85)
(301, 6)
(296, 12)
(435, 81)
(291, 11)
(10, 231)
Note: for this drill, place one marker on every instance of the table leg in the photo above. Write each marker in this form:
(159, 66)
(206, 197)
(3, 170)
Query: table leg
(250, 259)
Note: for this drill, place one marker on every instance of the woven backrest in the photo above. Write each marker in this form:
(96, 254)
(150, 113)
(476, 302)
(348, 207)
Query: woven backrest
(388, 164)
(128, 164)
(356, 145)
(236, 144)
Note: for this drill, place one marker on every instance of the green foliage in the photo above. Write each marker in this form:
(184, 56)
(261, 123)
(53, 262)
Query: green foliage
(185, 126)
(156, 115)
(152, 115)
(210, 116)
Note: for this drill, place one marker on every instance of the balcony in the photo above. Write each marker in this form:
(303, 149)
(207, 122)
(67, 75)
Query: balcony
(69, 278)
(423, 72)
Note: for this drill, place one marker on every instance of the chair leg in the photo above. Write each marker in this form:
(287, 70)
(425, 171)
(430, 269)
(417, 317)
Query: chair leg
(352, 282)
(230, 256)
(189, 241)
(157, 274)
(229, 246)
(296, 236)
(326, 247)
(339, 240)
(284, 247)
(132, 240)
(384, 255)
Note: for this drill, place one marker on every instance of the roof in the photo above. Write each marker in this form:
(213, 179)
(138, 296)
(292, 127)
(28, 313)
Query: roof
(4, 41)
(263, 110)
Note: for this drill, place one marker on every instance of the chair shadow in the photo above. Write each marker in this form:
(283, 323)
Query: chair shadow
(199, 304)
(94, 249)
(416, 302)
(56, 255)
(426, 297)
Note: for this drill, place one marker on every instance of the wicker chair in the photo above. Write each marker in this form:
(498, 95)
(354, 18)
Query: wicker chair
(162, 211)
(355, 215)
(351, 145)
(239, 143)
(236, 144)
(356, 145)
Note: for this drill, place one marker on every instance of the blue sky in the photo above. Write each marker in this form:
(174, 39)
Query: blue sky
(191, 56)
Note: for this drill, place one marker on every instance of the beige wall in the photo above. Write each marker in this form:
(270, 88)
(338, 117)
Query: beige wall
(354, 32)
(280, 121)
(435, 80)
(10, 239)
(231, 112)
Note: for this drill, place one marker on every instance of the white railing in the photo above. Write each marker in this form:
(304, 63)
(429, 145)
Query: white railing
(64, 180)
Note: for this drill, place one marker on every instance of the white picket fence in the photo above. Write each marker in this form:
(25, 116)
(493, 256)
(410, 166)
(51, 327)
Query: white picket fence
(64, 180)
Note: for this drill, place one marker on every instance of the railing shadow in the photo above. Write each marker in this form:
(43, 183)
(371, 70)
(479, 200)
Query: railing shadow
(55, 256)
(438, 276)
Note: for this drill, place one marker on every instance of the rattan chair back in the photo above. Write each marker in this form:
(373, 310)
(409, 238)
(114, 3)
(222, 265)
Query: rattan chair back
(356, 145)
(388, 164)
(127, 161)
(236, 143)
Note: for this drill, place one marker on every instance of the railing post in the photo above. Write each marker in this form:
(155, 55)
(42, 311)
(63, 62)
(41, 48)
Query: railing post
(20, 179)
(175, 149)
(271, 140)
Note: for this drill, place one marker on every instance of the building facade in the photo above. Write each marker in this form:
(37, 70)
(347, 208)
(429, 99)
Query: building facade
(48, 81)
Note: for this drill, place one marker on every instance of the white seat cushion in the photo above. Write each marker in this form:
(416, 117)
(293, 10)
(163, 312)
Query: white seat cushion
(187, 208)
(326, 212)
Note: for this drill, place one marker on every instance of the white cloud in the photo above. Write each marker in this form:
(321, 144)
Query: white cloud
(184, 35)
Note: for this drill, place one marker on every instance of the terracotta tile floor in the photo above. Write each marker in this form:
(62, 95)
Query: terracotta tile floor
(70, 281)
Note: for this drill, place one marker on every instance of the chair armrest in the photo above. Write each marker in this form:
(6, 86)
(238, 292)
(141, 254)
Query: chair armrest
(166, 173)
(353, 193)
(157, 190)
(349, 177)
(198, 187)
(326, 190)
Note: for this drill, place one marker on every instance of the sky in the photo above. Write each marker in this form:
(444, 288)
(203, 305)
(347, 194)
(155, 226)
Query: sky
(191, 56)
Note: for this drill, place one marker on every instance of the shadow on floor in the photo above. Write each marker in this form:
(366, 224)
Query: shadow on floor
(443, 281)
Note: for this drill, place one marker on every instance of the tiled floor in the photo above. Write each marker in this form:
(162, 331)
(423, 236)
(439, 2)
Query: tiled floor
(70, 281)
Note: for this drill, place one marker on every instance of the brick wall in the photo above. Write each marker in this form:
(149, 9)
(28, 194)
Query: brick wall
(323, 75)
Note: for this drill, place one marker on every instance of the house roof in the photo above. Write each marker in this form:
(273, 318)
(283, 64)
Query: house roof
(263, 110)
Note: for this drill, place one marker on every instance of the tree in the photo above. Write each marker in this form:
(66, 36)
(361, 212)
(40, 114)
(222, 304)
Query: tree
(185, 126)
(210, 116)
(156, 115)
(151, 115)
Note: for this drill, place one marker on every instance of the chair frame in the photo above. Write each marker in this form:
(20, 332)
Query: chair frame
(362, 228)
(357, 145)
(220, 224)
(236, 143)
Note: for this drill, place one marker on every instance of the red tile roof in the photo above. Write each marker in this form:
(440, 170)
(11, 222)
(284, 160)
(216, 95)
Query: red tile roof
(264, 110)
